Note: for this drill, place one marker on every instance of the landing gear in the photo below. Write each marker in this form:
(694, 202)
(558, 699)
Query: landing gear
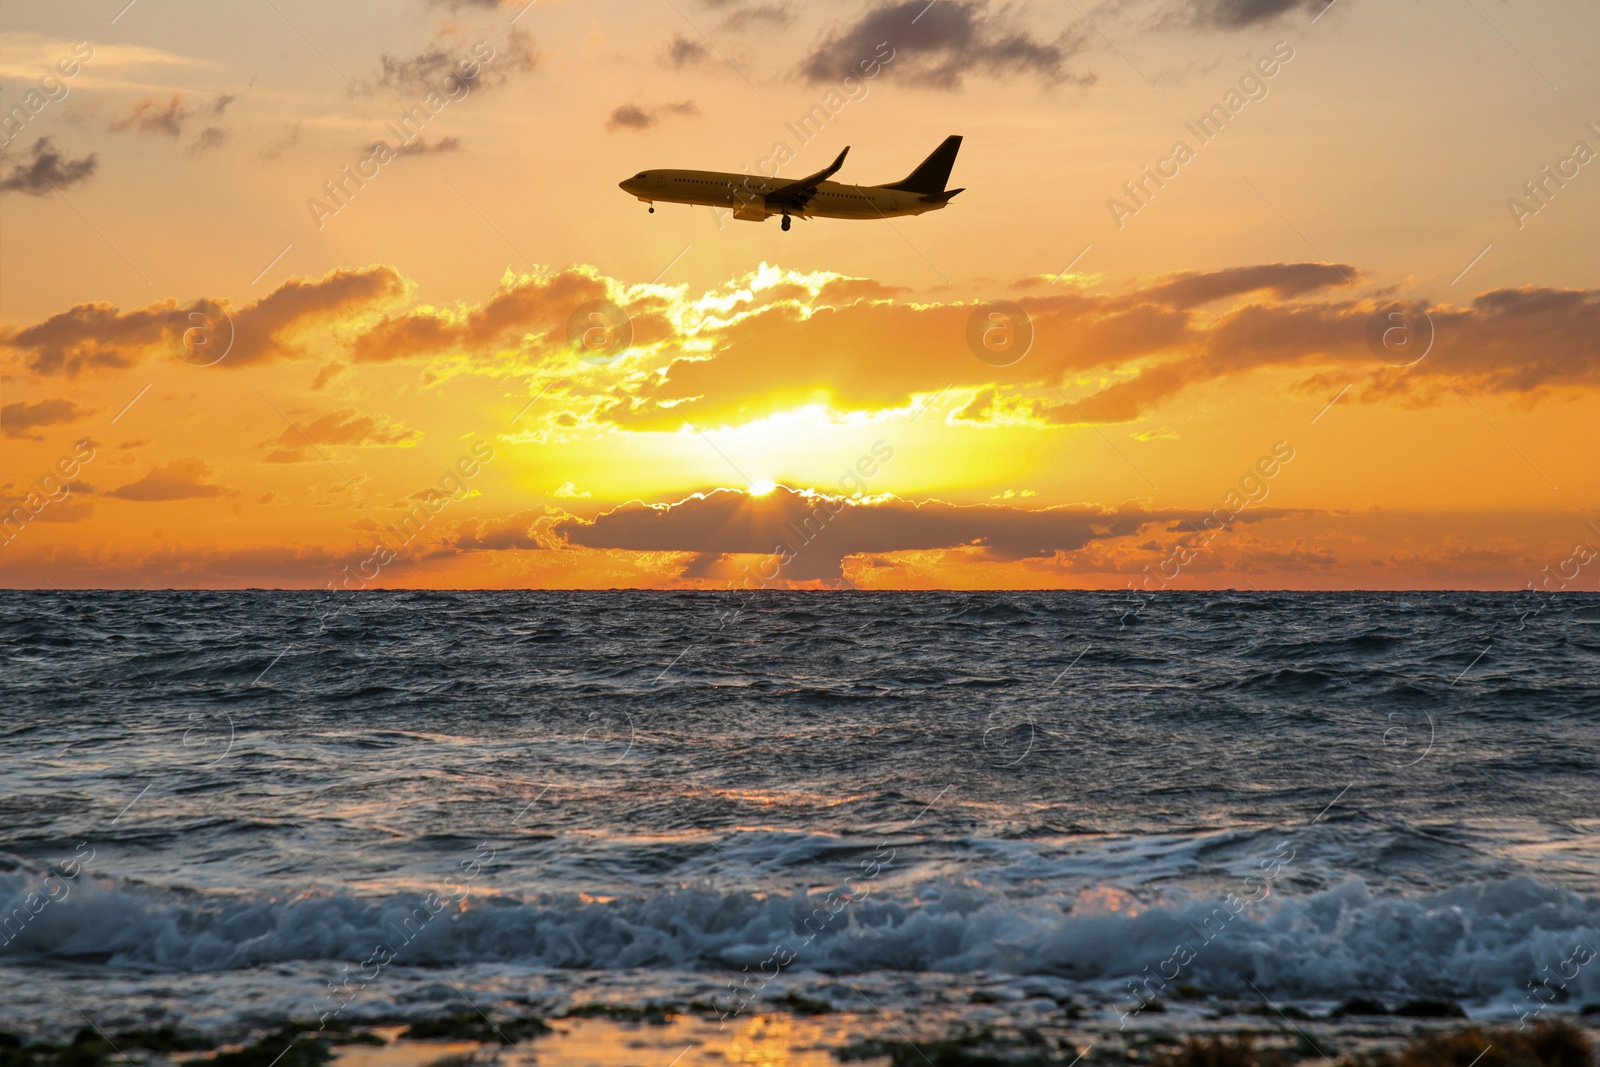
(652, 209)
(786, 223)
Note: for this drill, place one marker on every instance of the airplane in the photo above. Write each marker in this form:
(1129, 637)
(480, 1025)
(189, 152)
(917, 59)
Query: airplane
(755, 198)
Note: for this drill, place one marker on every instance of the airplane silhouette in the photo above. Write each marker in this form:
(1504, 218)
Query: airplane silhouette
(756, 198)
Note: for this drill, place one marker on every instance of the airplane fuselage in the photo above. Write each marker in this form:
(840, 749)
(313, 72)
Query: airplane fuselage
(753, 197)
(745, 195)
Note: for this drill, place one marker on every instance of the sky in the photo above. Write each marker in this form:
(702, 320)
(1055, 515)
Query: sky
(1252, 294)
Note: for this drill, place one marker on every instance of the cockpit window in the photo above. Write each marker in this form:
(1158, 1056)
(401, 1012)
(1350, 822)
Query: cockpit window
(642, 174)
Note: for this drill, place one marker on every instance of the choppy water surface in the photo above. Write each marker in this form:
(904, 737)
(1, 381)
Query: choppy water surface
(243, 796)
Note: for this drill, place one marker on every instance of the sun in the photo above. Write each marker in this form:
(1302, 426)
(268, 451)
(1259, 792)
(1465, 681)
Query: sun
(762, 487)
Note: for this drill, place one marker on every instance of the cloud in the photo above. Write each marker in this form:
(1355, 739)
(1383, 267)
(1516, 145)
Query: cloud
(757, 17)
(446, 65)
(289, 322)
(422, 147)
(938, 45)
(328, 373)
(210, 137)
(156, 115)
(856, 353)
(1511, 341)
(1456, 556)
(182, 479)
(497, 535)
(90, 335)
(1506, 341)
(277, 325)
(1284, 280)
(431, 70)
(67, 511)
(283, 142)
(853, 352)
(167, 116)
(818, 531)
(773, 340)
(683, 52)
(202, 567)
(16, 420)
(525, 314)
(1238, 14)
(49, 171)
(299, 444)
(739, 16)
(630, 117)
(635, 117)
(1257, 556)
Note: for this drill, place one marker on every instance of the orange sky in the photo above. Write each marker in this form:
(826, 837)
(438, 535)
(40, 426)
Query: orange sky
(1338, 344)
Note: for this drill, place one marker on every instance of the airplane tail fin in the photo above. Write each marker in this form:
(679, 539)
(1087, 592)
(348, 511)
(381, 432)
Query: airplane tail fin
(930, 178)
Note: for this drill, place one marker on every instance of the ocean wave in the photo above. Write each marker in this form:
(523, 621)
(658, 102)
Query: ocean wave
(1480, 940)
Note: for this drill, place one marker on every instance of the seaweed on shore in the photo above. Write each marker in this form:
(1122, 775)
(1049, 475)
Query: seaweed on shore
(1545, 1044)
(795, 1004)
(89, 1047)
(334, 1033)
(1431, 1009)
(968, 1049)
(1218, 1052)
(86, 1049)
(166, 1039)
(1421, 1008)
(287, 1047)
(457, 1059)
(1288, 1011)
(472, 1026)
(1553, 1044)
(653, 1014)
(290, 1045)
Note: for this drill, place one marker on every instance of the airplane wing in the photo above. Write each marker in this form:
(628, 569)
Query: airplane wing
(796, 194)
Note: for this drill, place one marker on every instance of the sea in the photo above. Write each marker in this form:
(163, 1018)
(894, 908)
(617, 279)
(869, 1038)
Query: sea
(228, 809)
